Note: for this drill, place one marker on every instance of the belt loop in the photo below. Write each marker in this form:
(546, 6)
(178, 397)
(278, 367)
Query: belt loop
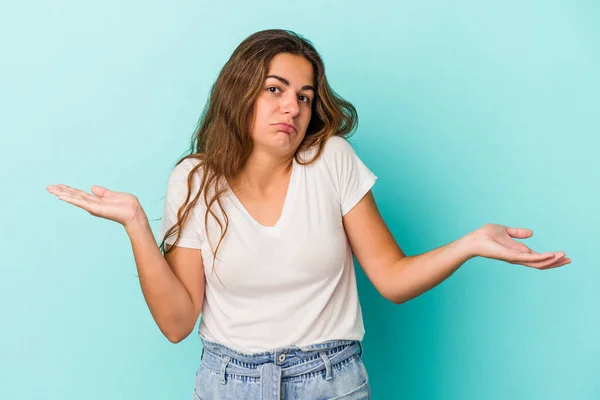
(327, 365)
(202, 354)
(223, 366)
(360, 349)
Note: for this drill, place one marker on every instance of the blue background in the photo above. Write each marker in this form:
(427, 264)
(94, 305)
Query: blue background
(470, 112)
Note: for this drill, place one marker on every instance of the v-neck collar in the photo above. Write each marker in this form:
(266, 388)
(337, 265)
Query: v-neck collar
(285, 212)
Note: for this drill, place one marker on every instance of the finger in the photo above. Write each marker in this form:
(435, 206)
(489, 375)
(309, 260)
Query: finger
(76, 201)
(558, 258)
(54, 189)
(59, 189)
(520, 258)
(64, 188)
(77, 193)
(519, 233)
(100, 191)
(549, 265)
(71, 190)
(559, 263)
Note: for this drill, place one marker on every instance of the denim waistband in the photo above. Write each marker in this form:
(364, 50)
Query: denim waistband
(271, 366)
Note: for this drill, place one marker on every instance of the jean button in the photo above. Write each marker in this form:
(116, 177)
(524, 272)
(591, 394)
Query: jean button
(281, 358)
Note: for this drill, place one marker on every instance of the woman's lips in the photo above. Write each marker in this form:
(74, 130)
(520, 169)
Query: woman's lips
(286, 127)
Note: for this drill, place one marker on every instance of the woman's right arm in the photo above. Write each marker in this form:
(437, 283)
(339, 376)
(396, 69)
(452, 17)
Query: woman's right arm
(173, 286)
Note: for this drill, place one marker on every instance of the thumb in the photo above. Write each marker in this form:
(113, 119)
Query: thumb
(99, 190)
(520, 233)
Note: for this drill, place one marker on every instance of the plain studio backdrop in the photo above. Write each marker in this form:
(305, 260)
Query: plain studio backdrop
(470, 112)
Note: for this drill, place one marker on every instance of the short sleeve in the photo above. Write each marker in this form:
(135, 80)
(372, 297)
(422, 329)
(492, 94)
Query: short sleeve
(177, 189)
(352, 178)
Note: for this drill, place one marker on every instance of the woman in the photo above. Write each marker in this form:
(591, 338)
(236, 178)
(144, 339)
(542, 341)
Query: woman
(259, 227)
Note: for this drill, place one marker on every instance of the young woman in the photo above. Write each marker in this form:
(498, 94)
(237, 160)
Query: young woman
(260, 224)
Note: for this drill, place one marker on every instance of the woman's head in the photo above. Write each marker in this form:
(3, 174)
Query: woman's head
(283, 108)
(231, 113)
(273, 77)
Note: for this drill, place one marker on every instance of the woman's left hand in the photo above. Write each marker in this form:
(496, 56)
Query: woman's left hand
(496, 242)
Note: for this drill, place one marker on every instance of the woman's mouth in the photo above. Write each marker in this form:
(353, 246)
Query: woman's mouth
(289, 128)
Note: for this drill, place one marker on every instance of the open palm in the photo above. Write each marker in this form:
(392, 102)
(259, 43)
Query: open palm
(115, 206)
(496, 241)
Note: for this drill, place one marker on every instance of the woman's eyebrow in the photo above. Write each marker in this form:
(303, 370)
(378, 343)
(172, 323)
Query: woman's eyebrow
(287, 83)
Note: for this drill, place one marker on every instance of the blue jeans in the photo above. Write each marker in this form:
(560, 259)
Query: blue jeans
(322, 371)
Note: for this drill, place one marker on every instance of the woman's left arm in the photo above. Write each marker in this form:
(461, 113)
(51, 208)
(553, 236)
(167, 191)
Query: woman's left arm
(400, 278)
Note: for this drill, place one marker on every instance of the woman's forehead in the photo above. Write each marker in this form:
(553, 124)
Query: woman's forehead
(295, 69)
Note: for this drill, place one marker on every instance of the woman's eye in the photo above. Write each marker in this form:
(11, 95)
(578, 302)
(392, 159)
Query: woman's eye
(273, 89)
(304, 99)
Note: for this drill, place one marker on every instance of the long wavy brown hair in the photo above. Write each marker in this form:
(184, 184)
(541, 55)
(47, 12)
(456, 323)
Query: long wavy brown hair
(222, 141)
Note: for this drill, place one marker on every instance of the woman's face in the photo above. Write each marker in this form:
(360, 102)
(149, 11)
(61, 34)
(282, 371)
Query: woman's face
(284, 107)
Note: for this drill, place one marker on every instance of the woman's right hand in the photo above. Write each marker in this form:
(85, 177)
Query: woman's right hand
(120, 207)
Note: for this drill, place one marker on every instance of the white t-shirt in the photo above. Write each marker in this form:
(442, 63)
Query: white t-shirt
(290, 284)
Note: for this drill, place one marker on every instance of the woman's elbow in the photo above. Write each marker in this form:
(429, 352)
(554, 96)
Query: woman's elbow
(177, 333)
(176, 337)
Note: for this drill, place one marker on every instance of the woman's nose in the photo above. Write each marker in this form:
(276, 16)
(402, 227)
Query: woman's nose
(290, 105)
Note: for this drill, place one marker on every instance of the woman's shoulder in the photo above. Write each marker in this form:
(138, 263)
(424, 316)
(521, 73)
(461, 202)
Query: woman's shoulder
(183, 168)
(337, 144)
(178, 184)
